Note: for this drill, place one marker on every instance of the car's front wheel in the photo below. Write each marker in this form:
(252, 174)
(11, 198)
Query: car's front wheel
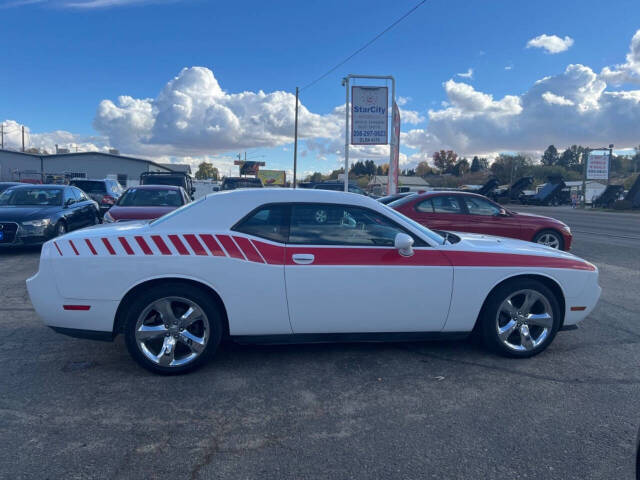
(550, 238)
(520, 318)
(173, 328)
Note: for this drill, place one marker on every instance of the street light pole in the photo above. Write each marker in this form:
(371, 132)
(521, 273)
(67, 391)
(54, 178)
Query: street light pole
(345, 82)
(295, 143)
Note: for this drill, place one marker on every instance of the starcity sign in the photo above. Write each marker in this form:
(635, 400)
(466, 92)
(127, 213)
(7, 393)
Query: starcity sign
(369, 115)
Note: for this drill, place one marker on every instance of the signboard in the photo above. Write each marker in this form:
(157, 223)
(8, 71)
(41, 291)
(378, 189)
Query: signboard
(248, 167)
(273, 177)
(394, 164)
(598, 166)
(369, 109)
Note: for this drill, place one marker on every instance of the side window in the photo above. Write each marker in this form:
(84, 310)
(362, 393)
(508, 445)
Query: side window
(320, 224)
(426, 206)
(270, 222)
(446, 204)
(80, 196)
(68, 197)
(479, 206)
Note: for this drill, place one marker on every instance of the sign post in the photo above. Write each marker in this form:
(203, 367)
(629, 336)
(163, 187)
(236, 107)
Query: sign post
(596, 167)
(369, 119)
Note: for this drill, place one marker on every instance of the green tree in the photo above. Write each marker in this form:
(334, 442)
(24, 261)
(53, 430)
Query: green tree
(423, 169)
(461, 167)
(206, 171)
(316, 177)
(445, 160)
(550, 156)
(334, 174)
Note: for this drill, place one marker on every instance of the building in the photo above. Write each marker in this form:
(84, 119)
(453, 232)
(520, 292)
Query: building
(378, 184)
(42, 168)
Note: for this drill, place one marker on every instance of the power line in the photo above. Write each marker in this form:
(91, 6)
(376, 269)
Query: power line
(365, 45)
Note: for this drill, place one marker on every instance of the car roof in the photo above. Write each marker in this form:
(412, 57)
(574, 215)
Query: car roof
(437, 193)
(156, 187)
(35, 185)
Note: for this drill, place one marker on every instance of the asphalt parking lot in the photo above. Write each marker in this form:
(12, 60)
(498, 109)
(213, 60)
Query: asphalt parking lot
(80, 409)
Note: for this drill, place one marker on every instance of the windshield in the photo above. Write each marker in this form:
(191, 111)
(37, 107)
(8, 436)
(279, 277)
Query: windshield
(230, 184)
(429, 233)
(31, 196)
(89, 186)
(139, 197)
(162, 180)
(401, 201)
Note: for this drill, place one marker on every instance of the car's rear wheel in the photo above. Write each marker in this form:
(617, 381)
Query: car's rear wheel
(549, 238)
(520, 318)
(173, 329)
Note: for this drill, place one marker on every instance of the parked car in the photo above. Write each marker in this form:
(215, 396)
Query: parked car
(179, 179)
(146, 202)
(176, 285)
(339, 187)
(5, 185)
(469, 212)
(232, 183)
(31, 215)
(105, 192)
(392, 198)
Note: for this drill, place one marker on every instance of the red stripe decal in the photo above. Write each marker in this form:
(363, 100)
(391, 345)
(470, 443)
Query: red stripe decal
(489, 259)
(59, 251)
(212, 245)
(195, 244)
(74, 247)
(125, 245)
(175, 239)
(248, 249)
(77, 307)
(143, 245)
(229, 246)
(108, 246)
(366, 256)
(93, 250)
(273, 254)
(164, 250)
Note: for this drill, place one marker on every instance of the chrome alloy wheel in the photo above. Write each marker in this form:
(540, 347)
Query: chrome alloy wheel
(550, 240)
(524, 320)
(172, 331)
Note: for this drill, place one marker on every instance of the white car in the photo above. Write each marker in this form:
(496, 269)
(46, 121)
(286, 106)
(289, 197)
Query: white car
(282, 265)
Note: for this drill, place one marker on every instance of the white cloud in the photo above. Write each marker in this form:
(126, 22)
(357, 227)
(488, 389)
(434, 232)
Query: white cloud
(509, 67)
(628, 72)
(551, 43)
(83, 4)
(467, 74)
(401, 101)
(553, 99)
(47, 141)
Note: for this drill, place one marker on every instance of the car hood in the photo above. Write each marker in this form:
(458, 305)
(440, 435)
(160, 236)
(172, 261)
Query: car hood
(489, 243)
(533, 218)
(138, 213)
(11, 213)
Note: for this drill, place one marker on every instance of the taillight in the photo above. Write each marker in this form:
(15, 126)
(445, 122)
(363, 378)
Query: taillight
(108, 199)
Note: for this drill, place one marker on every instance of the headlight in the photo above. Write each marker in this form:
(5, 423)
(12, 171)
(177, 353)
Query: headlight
(566, 228)
(108, 218)
(37, 223)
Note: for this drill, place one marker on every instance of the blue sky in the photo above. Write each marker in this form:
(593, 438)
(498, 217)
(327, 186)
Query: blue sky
(62, 58)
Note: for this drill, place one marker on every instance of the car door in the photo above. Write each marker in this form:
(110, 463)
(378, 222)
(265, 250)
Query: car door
(83, 207)
(483, 216)
(439, 212)
(343, 274)
(71, 213)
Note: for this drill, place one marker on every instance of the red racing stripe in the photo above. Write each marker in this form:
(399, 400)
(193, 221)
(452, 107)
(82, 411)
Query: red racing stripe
(182, 250)
(164, 250)
(273, 254)
(195, 245)
(248, 249)
(108, 246)
(88, 242)
(212, 245)
(366, 256)
(490, 259)
(125, 245)
(74, 247)
(229, 246)
(143, 245)
(59, 251)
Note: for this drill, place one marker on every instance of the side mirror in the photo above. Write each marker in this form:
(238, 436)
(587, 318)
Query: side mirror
(404, 244)
(503, 213)
(69, 202)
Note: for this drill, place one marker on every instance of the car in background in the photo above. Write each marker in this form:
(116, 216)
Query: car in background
(339, 187)
(468, 212)
(33, 214)
(233, 183)
(386, 200)
(179, 179)
(146, 202)
(5, 185)
(104, 192)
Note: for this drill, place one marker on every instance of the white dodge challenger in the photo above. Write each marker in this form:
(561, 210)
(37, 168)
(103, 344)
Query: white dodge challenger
(282, 265)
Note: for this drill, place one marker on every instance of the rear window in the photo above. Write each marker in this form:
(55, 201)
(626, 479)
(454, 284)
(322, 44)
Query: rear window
(163, 180)
(233, 183)
(89, 186)
(140, 197)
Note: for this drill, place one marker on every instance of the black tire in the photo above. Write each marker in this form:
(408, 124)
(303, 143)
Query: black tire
(60, 229)
(96, 219)
(554, 233)
(174, 289)
(489, 323)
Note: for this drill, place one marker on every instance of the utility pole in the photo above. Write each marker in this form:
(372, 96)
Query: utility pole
(2, 136)
(23, 138)
(295, 143)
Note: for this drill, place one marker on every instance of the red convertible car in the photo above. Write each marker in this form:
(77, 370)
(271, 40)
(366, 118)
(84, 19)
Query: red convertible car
(146, 202)
(469, 212)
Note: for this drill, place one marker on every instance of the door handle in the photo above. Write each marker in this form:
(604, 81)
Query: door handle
(303, 258)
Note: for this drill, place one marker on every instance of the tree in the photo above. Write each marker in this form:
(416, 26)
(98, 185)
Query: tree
(370, 167)
(408, 173)
(507, 168)
(445, 160)
(383, 169)
(423, 169)
(550, 156)
(206, 171)
(334, 174)
(316, 177)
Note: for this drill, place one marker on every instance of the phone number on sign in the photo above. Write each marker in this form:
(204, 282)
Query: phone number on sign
(369, 133)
